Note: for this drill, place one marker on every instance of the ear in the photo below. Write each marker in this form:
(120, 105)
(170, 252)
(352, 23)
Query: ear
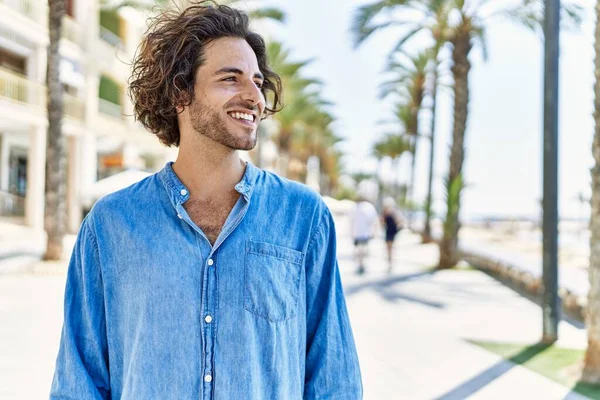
(182, 101)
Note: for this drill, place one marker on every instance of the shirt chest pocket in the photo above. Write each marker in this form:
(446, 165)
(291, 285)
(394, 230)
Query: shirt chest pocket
(272, 280)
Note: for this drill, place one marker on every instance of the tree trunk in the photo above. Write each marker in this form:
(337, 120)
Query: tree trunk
(55, 210)
(397, 178)
(379, 185)
(460, 72)
(427, 238)
(411, 185)
(591, 369)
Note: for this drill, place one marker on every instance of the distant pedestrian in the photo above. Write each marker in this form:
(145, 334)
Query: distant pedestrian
(364, 224)
(393, 223)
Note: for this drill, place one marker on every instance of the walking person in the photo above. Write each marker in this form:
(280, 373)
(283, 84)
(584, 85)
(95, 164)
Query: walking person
(212, 278)
(393, 222)
(364, 221)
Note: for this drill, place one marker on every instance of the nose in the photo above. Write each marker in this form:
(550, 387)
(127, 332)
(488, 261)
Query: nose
(253, 94)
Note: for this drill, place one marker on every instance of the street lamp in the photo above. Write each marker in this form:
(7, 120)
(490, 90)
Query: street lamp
(551, 301)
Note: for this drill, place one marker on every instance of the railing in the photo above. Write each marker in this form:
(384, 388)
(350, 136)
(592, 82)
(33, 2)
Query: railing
(32, 9)
(19, 89)
(108, 108)
(11, 205)
(72, 30)
(74, 107)
(110, 38)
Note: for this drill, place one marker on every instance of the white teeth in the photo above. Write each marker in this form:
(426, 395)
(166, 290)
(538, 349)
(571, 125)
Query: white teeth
(247, 117)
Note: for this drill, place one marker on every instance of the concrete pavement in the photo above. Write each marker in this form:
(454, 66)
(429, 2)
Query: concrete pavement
(412, 328)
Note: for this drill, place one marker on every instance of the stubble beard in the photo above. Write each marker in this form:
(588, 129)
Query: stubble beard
(207, 122)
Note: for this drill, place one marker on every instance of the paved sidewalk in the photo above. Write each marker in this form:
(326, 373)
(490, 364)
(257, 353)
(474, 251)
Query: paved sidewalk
(19, 246)
(411, 327)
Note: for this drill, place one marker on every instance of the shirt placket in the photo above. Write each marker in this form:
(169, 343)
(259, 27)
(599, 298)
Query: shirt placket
(209, 300)
(210, 292)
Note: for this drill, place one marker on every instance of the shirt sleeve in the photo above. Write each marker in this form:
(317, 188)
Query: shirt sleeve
(82, 363)
(332, 369)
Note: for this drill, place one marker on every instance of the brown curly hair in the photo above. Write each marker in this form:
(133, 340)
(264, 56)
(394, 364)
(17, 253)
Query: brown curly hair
(170, 53)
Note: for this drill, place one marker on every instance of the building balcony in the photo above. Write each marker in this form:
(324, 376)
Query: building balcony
(11, 205)
(18, 89)
(72, 31)
(74, 107)
(35, 10)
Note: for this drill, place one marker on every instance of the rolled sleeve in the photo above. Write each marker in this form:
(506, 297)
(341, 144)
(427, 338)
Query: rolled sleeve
(332, 368)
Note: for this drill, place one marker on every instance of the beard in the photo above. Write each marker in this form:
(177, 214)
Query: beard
(209, 123)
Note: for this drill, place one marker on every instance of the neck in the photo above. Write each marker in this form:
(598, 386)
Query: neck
(208, 169)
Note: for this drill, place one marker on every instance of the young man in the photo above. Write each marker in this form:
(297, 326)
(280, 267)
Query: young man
(211, 279)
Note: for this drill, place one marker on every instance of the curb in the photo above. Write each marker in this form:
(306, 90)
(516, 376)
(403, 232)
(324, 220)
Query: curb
(572, 304)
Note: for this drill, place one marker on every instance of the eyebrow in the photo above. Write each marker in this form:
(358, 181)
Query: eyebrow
(237, 71)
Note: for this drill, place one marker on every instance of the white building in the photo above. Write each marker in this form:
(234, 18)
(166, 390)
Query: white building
(101, 135)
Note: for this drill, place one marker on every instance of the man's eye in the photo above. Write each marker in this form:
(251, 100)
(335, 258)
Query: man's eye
(230, 79)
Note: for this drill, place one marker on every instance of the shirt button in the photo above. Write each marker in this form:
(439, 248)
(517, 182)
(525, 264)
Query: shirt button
(210, 261)
(179, 216)
(183, 192)
(207, 378)
(208, 319)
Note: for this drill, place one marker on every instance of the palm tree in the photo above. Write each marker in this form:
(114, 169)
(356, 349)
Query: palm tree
(431, 20)
(379, 151)
(315, 138)
(470, 29)
(55, 190)
(394, 146)
(591, 368)
(302, 101)
(434, 56)
(408, 84)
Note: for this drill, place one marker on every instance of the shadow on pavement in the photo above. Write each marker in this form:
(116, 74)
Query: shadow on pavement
(385, 288)
(486, 377)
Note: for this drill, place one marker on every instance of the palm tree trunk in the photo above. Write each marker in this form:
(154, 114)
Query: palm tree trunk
(427, 230)
(591, 369)
(460, 72)
(411, 187)
(379, 184)
(396, 183)
(55, 210)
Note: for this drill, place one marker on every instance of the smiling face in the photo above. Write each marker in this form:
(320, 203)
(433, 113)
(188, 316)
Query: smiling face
(228, 103)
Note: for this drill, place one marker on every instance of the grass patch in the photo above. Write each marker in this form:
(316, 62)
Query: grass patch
(558, 364)
(461, 266)
(465, 267)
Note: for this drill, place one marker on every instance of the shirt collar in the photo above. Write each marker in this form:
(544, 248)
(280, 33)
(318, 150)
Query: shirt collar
(179, 194)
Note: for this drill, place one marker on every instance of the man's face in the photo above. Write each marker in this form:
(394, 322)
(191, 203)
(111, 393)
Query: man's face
(228, 103)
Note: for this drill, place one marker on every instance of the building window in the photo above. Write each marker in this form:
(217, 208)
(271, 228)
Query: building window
(17, 172)
(12, 62)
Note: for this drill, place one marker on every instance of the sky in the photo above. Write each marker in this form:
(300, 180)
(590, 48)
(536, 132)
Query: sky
(504, 133)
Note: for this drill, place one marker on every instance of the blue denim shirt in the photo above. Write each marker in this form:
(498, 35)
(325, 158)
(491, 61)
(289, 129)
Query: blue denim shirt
(154, 311)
